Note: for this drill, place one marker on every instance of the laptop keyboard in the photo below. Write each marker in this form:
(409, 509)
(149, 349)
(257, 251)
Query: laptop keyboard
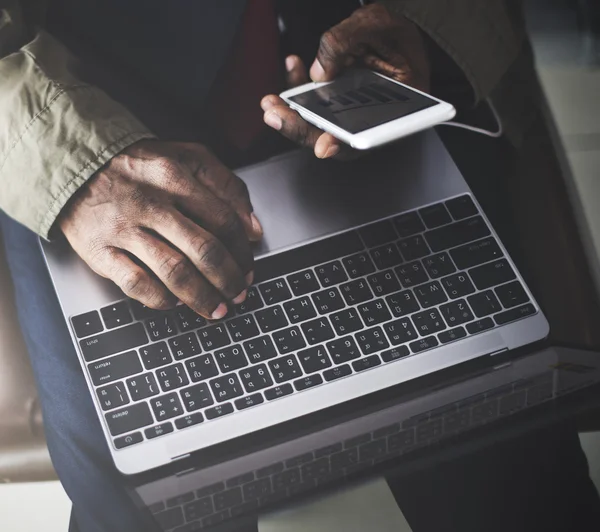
(318, 313)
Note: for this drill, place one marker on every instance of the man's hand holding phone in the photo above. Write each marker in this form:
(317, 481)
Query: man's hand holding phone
(371, 37)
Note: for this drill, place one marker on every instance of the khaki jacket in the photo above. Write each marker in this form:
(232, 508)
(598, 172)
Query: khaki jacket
(57, 131)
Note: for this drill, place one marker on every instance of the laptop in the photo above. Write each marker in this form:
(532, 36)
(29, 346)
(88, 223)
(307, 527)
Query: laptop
(370, 274)
(447, 417)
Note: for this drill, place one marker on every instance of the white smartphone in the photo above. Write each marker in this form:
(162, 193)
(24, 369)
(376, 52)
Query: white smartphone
(365, 109)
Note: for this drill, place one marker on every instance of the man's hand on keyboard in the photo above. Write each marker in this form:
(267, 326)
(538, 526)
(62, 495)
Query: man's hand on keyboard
(167, 221)
(372, 38)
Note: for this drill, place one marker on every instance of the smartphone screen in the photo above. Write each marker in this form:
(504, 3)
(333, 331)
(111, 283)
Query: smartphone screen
(360, 100)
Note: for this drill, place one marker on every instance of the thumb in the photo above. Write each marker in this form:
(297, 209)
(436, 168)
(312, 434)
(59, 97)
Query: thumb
(296, 73)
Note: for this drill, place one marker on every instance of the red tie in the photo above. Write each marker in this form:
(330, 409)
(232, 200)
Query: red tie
(251, 72)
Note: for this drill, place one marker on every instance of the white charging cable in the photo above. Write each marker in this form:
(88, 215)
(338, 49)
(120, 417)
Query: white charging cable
(493, 134)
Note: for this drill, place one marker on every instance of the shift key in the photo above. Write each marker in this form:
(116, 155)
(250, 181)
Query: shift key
(115, 341)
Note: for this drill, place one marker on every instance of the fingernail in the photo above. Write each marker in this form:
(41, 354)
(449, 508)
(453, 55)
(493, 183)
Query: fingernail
(250, 278)
(257, 228)
(179, 303)
(272, 119)
(240, 298)
(219, 312)
(290, 63)
(266, 104)
(317, 73)
(332, 151)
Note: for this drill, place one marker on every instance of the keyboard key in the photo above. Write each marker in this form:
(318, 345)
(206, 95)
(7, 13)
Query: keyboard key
(461, 207)
(384, 283)
(218, 411)
(430, 294)
(480, 325)
(395, 353)
(343, 350)
(116, 315)
(337, 373)
(257, 488)
(412, 274)
(402, 303)
(166, 406)
(308, 382)
(172, 377)
(452, 334)
(159, 430)
(314, 359)
(202, 368)
(243, 328)
(317, 331)
(366, 363)
(359, 265)
(458, 285)
(231, 358)
(300, 309)
(402, 440)
(356, 292)
(161, 327)
(214, 337)
(400, 331)
(155, 355)
(248, 401)
(271, 319)
(169, 519)
(476, 253)
(303, 282)
(114, 368)
(260, 349)
(187, 319)
(457, 313)
(226, 388)
(128, 419)
(408, 224)
(142, 312)
(252, 302)
(372, 450)
(278, 391)
(275, 291)
(386, 256)
(113, 342)
(492, 274)
(428, 322)
(189, 421)
(514, 314)
(371, 340)
(197, 510)
(112, 396)
(210, 490)
(374, 312)
(86, 324)
(256, 378)
(269, 470)
(332, 273)
(196, 397)
(328, 301)
(378, 233)
(413, 247)
(288, 340)
(439, 265)
(286, 479)
(484, 304)
(457, 234)
(423, 344)
(130, 439)
(185, 346)
(435, 215)
(346, 321)
(285, 368)
(512, 294)
(142, 386)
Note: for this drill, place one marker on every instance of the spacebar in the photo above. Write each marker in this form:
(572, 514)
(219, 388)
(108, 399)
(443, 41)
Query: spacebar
(325, 250)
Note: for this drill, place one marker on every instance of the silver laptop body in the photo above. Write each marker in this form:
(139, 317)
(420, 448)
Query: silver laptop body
(300, 200)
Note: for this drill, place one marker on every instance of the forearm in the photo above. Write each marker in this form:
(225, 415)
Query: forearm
(57, 131)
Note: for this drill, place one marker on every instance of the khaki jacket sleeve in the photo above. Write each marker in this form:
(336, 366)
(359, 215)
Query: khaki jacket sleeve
(56, 131)
(479, 35)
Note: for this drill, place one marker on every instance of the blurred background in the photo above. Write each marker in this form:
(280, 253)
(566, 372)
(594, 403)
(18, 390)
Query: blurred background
(566, 38)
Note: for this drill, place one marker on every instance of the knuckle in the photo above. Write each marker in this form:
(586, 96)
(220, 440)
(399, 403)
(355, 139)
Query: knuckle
(175, 269)
(330, 44)
(211, 253)
(133, 283)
